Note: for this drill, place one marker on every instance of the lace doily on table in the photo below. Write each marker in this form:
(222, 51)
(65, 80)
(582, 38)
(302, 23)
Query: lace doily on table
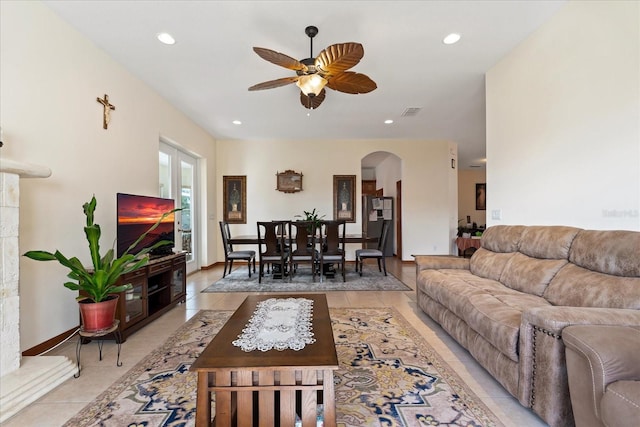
(278, 323)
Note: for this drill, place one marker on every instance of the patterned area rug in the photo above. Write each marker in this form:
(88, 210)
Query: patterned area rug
(371, 280)
(388, 376)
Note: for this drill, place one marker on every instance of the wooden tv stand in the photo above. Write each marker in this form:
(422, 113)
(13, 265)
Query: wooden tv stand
(157, 288)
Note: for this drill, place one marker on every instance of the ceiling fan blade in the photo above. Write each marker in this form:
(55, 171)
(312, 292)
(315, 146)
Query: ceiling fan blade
(351, 82)
(279, 59)
(312, 102)
(274, 83)
(339, 57)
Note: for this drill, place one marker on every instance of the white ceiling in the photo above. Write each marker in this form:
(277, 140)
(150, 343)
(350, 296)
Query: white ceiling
(207, 72)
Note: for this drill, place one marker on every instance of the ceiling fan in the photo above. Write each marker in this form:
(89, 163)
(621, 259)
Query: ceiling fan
(312, 74)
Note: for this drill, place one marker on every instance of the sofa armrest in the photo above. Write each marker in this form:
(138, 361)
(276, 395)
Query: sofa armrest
(612, 351)
(427, 262)
(553, 319)
(596, 357)
(543, 384)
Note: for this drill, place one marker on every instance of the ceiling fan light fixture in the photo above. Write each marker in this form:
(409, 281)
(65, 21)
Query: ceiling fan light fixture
(311, 84)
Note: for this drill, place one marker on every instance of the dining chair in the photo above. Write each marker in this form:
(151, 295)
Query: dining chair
(332, 248)
(378, 253)
(271, 237)
(283, 228)
(230, 255)
(302, 246)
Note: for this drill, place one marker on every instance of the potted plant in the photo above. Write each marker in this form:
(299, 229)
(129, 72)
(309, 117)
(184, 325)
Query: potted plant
(98, 285)
(312, 217)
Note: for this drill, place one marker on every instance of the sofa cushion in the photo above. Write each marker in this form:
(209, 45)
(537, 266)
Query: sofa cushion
(488, 307)
(496, 317)
(499, 243)
(530, 275)
(449, 288)
(488, 264)
(502, 238)
(578, 287)
(547, 242)
(611, 252)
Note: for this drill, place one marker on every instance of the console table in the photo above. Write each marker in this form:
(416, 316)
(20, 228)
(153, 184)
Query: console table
(157, 287)
(263, 387)
(465, 243)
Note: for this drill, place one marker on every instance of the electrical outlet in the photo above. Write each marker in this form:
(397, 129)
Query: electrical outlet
(496, 214)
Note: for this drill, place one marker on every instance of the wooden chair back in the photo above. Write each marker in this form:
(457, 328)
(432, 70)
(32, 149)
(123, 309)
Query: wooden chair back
(333, 235)
(382, 241)
(271, 237)
(226, 235)
(302, 237)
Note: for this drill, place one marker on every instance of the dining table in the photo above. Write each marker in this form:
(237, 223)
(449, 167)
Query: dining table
(252, 239)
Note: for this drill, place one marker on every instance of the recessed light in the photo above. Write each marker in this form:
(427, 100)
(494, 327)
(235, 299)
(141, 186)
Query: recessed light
(451, 38)
(388, 122)
(166, 38)
(236, 122)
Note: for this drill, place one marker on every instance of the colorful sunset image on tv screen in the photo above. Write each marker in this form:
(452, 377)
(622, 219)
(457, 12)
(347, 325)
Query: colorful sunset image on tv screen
(136, 214)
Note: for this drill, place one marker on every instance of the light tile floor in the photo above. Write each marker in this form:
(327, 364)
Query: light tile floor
(55, 408)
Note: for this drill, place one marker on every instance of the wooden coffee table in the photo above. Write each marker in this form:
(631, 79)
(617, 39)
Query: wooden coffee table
(267, 388)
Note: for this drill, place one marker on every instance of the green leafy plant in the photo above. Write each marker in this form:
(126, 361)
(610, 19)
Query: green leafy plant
(311, 216)
(101, 280)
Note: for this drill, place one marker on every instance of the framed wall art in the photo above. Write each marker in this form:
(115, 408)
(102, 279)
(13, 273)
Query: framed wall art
(344, 197)
(235, 199)
(481, 197)
(289, 181)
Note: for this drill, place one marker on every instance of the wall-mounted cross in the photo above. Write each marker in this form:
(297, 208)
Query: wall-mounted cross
(106, 116)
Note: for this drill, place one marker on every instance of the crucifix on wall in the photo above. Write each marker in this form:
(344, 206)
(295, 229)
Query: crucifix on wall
(106, 116)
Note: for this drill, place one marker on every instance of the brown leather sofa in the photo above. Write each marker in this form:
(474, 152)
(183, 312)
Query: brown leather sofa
(509, 303)
(603, 363)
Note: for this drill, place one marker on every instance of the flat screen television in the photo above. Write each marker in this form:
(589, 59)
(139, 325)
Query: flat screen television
(136, 214)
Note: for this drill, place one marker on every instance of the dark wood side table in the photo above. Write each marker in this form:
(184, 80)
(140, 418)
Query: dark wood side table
(86, 335)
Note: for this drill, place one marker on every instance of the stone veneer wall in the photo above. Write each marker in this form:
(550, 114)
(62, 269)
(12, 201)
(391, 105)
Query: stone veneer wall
(23, 380)
(9, 272)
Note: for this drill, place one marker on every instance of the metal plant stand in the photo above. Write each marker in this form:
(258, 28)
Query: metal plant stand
(84, 335)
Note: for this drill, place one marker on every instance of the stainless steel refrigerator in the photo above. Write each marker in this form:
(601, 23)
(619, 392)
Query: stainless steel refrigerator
(374, 211)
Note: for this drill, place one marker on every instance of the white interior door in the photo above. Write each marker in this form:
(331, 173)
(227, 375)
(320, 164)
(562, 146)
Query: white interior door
(178, 181)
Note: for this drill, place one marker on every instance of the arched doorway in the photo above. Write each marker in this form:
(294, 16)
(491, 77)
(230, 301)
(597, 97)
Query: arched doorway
(381, 174)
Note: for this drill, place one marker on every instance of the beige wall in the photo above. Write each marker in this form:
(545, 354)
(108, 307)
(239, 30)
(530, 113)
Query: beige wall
(467, 180)
(563, 121)
(50, 78)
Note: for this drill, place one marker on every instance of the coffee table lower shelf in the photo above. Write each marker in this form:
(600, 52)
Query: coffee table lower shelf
(277, 397)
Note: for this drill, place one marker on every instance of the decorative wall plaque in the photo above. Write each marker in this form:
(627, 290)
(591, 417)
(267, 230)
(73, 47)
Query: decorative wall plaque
(289, 181)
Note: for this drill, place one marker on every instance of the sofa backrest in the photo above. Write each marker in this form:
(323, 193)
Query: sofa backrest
(498, 245)
(524, 258)
(542, 252)
(567, 266)
(604, 271)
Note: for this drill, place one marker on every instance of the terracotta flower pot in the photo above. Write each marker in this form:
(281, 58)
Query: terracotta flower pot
(97, 316)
